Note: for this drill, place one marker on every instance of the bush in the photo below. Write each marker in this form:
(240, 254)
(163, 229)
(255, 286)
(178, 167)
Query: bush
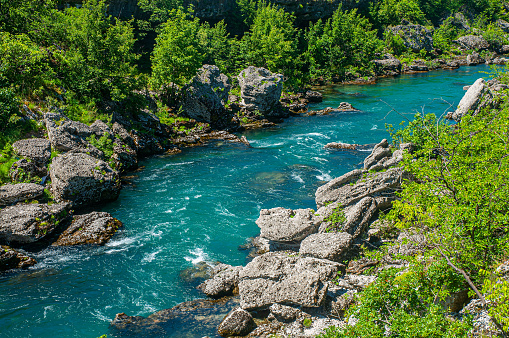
(384, 13)
(9, 107)
(445, 34)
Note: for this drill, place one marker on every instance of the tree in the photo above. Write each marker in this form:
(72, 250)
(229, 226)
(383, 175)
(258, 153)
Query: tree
(178, 53)
(385, 13)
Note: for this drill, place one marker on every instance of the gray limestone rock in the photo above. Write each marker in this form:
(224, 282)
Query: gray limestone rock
(474, 59)
(261, 90)
(23, 170)
(473, 42)
(279, 277)
(471, 99)
(238, 322)
(83, 179)
(223, 282)
(35, 149)
(355, 282)
(14, 193)
(93, 228)
(380, 151)
(284, 313)
(29, 223)
(286, 225)
(415, 37)
(14, 259)
(388, 66)
(206, 96)
(504, 25)
(329, 246)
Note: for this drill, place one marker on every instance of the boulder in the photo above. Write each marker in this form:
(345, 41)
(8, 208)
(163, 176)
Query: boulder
(26, 170)
(329, 246)
(504, 25)
(499, 61)
(470, 101)
(460, 22)
(380, 151)
(223, 282)
(382, 156)
(345, 106)
(261, 90)
(29, 223)
(473, 42)
(286, 225)
(83, 180)
(14, 259)
(415, 37)
(279, 277)
(387, 66)
(355, 282)
(35, 149)
(349, 189)
(99, 128)
(313, 96)
(206, 95)
(92, 228)
(418, 66)
(284, 313)
(238, 322)
(340, 145)
(504, 49)
(474, 59)
(14, 193)
(67, 135)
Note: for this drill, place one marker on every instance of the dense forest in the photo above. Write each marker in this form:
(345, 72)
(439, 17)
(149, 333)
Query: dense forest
(81, 62)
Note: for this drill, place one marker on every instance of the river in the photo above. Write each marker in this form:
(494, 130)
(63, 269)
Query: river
(202, 204)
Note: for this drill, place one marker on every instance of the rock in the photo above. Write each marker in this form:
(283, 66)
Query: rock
(286, 225)
(451, 65)
(470, 100)
(345, 106)
(349, 189)
(93, 228)
(342, 146)
(223, 282)
(388, 66)
(415, 37)
(381, 150)
(359, 266)
(313, 96)
(499, 61)
(483, 325)
(409, 244)
(261, 90)
(146, 144)
(504, 49)
(67, 135)
(284, 313)
(197, 273)
(474, 59)
(206, 95)
(125, 158)
(504, 25)
(82, 179)
(14, 193)
(29, 223)
(355, 282)
(99, 128)
(14, 259)
(238, 322)
(329, 246)
(473, 42)
(26, 170)
(277, 277)
(35, 149)
(339, 305)
(460, 22)
(418, 66)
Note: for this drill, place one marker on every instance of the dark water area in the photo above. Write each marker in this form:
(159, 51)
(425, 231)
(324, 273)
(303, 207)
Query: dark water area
(202, 204)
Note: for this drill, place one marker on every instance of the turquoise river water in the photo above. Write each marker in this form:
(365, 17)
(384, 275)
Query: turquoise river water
(202, 204)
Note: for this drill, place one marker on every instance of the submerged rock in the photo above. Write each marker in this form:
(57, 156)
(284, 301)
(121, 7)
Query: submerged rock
(93, 228)
(14, 193)
(238, 322)
(261, 90)
(339, 145)
(83, 180)
(14, 259)
(279, 277)
(29, 223)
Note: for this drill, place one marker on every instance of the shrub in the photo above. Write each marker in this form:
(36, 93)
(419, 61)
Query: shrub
(385, 13)
(445, 34)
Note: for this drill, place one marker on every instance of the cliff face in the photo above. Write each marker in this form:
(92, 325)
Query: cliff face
(216, 10)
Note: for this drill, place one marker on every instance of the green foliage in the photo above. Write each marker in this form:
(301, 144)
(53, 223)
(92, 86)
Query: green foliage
(344, 41)
(307, 322)
(7, 159)
(104, 143)
(445, 34)
(17, 16)
(215, 44)
(178, 53)
(405, 305)
(459, 197)
(496, 291)
(336, 219)
(248, 10)
(394, 43)
(494, 35)
(385, 13)
(159, 10)
(9, 108)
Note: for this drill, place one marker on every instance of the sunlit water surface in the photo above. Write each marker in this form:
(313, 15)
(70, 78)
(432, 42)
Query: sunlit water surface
(202, 204)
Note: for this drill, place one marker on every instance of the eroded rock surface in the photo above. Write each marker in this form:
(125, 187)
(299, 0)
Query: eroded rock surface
(286, 225)
(470, 101)
(35, 149)
(223, 282)
(474, 42)
(14, 193)
(238, 322)
(261, 90)
(329, 246)
(14, 259)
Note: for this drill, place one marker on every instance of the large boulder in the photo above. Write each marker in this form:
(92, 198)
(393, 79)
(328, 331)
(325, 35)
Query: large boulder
(35, 149)
(238, 322)
(470, 101)
(83, 180)
(473, 42)
(382, 156)
(286, 225)
(27, 171)
(261, 90)
(29, 223)
(329, 246)
(415, 37)
(278, 277)
(92, 228)
(223, 282)
(14, 259)
(206, 96)
(474, 59)
(67, 135)
(389, 65)
(14, 193)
